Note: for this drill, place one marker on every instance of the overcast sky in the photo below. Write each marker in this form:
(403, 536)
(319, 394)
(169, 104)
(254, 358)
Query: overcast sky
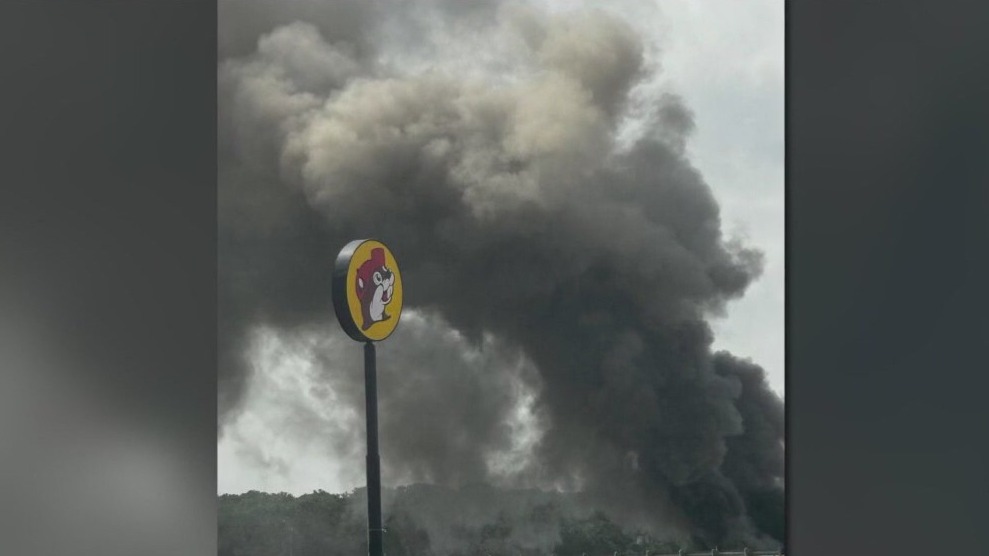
(725, 58)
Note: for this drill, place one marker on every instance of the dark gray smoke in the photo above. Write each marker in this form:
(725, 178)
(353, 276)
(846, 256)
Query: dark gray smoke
(539, 253)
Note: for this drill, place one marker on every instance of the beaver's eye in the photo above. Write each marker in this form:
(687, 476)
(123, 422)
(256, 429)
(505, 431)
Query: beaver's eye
(377, 278)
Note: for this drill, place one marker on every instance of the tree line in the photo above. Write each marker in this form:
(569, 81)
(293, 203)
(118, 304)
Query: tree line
(423, 522)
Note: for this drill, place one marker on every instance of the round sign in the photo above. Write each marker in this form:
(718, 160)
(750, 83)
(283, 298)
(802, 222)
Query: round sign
(367, 290)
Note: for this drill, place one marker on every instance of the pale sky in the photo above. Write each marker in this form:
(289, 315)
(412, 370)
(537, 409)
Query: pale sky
(725, 58)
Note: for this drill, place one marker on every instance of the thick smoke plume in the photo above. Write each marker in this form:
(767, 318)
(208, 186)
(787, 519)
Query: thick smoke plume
(542, 256)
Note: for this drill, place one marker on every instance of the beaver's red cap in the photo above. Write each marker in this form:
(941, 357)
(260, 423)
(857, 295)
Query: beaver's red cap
(367, 268)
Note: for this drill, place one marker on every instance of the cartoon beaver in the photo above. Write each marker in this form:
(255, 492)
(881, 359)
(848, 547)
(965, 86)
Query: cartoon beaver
(375, 283)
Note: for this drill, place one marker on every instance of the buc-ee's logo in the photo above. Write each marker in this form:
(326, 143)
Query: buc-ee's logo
(367, 290)
(375, 288)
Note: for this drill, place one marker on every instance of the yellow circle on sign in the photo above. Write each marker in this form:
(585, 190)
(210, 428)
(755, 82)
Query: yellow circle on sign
(374, 290)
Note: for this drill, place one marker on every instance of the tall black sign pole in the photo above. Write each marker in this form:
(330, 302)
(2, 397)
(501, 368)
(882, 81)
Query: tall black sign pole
(375, 537)
(367, 299)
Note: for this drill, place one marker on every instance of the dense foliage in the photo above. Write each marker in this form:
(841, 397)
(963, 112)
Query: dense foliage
(324, 524)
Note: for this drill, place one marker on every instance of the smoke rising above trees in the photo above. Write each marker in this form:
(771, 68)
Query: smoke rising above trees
(552, 265)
